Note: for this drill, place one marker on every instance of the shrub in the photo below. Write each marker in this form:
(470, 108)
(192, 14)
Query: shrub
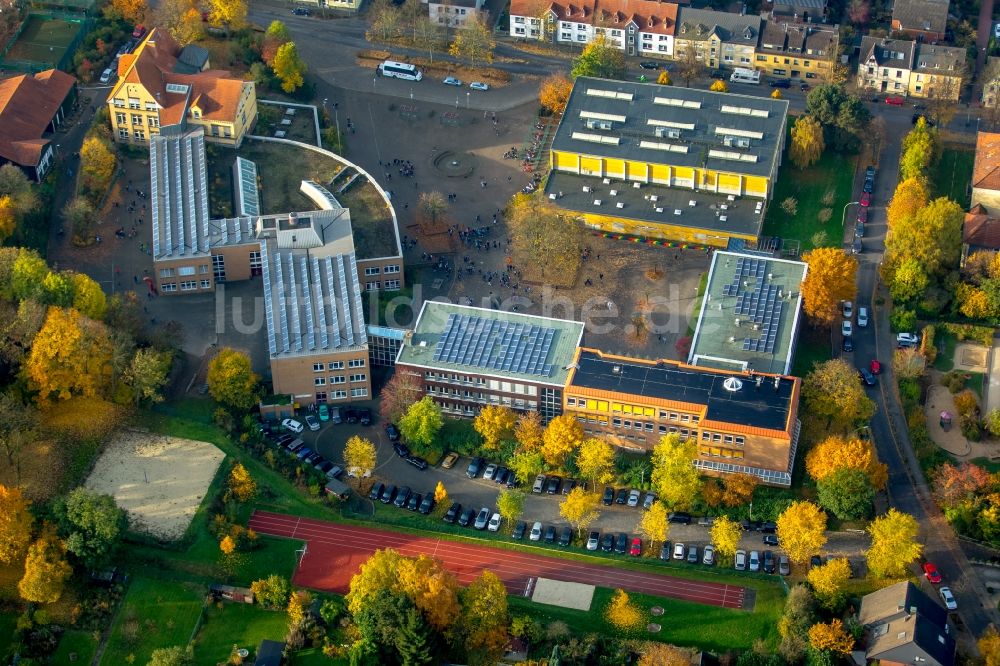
(901, 319)
(909, 392)
(790, 206)
(954, 380)
(967, 404)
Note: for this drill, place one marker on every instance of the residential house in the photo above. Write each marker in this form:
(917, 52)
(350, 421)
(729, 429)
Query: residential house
(885, 64)
(742, 422)
(637, 27)
(161, 85)
(798, 51)
(470, 357)
(338, 6)
(991, 82)
(667, 162)
(719, 39)
(31, 109)
(986, 172)
(905, 626)
(796, 10)
(924, 20)
(980, 232)
(938, 72)
(455, 13)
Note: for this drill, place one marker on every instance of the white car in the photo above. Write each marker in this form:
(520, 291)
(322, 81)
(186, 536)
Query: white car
(907, 339)
(479, 85)
(106, 75)
(754, 560)
(708, 558)
(593, 540)
(848, 309)
(948, 598)
(452, 81)
(491, 469)
(494, 525)
(680, 552)
(741, 560)
(312, 422)
(539, 484)
(292, 425)
(846, 328)
(536, 532)
(633, 497)
(863, 317)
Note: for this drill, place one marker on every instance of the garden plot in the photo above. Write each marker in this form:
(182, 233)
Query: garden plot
(159, 480)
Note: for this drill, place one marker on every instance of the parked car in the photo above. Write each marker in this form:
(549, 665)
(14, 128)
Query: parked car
(781, 83)
(550, 534)
(466, 518)
(784, 568)
(402, 496)
(815, 561)
(413, 503)
(292, 425)
(417, 462)
(633, 497)
(665, 551)
(593, 540)
(479, 85)
(451, 81)
(647, 502)
(868, 186)
(365, 416)
(376, 491)
(427, 504)
(300, 11)
(449, 460)
(336, 415)
(870, 172)
(621, 543)
(867, 377)
(740, 561)
(568, 486)
(770, 540)
(552, 484)
(454, 511)
(392, 432)
(609, 496)
(895, 101)
(388, 494)
(312, 422)
(649, 64)
(680, 551)
(402, 450)
(948, 598)
(536, 532)
(608, 542)
(350, 416)
(539, 484)
(708, 555)
(139, 31)
(474, 468)
(846, 328)
(768, 527)
(482, 518)
(862, 216)
(635, 550)
(622, 496)
(494, 524)
(907, 339)
(768, 562)
(931, 573)
(519, 529)
(848, 309)
(863, 317)
(303, 452)
(501, 475)
(491, 469)
(858, 246)
(847, 344)
(706, 521)
(859, 231)
(692, 557)
(866, 199)
(679, 517)
(565, 536)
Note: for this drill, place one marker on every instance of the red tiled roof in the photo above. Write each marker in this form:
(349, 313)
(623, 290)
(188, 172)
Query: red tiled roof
(648, 15)
(27, 104)
(986, 171)
(981, 230)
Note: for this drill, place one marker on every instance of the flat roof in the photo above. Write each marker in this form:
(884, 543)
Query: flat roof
(660, 124)
(502, 344)
(744, 402)
(312, 297)
(720, 213)
(749, 313)
(178, 195)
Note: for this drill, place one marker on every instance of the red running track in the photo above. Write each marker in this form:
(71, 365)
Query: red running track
(335, 553)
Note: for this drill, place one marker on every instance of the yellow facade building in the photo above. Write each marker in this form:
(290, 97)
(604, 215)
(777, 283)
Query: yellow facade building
(801, 52)
(667, 162)
(160, 85)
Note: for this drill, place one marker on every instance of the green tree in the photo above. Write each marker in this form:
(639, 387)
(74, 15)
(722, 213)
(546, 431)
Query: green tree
(526, 465)
(289, 67)
(596, 461)
(26, 276)
(231, 380)
(276, 35)
(842, 115)
(415, 642)
(894, 544)
(171, 656)
(832, 391)
(80, 216)
(92, 524)
(675, 478)
(909, 281)
(846, 493)
(600, 59)
(807, 142)
(422, 422)
(146, 374)
(485, 618)
(510, 504)
(473, 42)
(272, 592)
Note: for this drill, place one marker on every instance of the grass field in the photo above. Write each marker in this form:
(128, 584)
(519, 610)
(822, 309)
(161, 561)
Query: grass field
(155, 613)
(243, 625)
(834, 172)
(43, 40)
(80, 643)
(950, 175)
(813, 347)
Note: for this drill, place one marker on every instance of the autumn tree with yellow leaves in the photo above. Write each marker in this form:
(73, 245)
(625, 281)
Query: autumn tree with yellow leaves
(807, 144)
(228, 14)
(831, 637)
(97, 165)
(829, 580)
(829, 281)
(989, 646)
(8, 217)
(241, 485)
(675, 478)
(579, 508)
(495, 423)
(529, 431)
(554, 93)
(802, 530)
(133, 11)
(726, 534)
(45, 569)
(622, 613)
(360, 456)
(596, 461)
(832, 391)
(70, 356)
(894, 544)
(837, 452)
(719, 86)
(654, 525)
(485, 619)
(231, 381)
(738, 488)
(440, 494)
(542, 241)
(16, 523)
(510, 504)
(562, 436)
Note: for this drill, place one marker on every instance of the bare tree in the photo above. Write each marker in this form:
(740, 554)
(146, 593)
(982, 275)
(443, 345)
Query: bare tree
(689, 67)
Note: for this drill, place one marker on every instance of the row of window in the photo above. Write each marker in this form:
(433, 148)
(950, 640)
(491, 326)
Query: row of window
(139, 135)
(183, 271)
(339, 379)
(494, 384)
(718, 437)
(186, 285)
(719, 452)
(339, 365)
(388, 284)
(374, 270)
(324, 396)
(518, 403)
(777, 60)
(637, 410)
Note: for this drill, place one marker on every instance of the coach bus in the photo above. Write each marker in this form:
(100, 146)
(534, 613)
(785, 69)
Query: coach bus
(400, 70)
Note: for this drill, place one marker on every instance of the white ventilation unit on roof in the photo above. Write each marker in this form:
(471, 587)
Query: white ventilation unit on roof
(595, 124)
(667, 133)
(732, 384)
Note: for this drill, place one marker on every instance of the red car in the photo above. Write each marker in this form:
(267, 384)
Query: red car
(875, 367)
(895, 101)
(866, 199)
(931, 573)
(863, 215)
(636, 549)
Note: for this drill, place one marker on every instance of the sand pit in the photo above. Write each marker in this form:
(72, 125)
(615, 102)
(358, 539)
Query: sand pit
(561, 593)
(159, 480)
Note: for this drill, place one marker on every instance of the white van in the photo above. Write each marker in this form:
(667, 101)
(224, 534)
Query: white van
(744, 75)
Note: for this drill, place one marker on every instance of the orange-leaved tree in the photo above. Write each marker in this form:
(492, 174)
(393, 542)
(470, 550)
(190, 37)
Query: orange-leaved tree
(554, 93)
(836, 452)
(830, 280)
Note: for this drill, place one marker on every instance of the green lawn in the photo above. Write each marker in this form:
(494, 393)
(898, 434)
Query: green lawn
(950, 175)
(80, 643)
(808, 186)
(813, 347)
(243, 625)
(945, 342)
(154, 614)
(8, 622)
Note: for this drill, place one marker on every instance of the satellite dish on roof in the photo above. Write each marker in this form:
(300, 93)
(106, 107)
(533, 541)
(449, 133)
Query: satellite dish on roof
(732, 384)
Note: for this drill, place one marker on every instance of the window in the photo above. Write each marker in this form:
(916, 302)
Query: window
(219, 267)
(205, 284)
(319, 381)
(321, 397)
(359, 392)
(372, 270)
(119, 103)
(136, 119)
(203, 268)
(170, 286)
(616, 422)
(358, 378)
(189, 285)
(335, 365)
(339, 394)
(133, 102)
(149, 106)
(121, 118)
(391, 284)
(139, 134)
(338, 379)
(391, 268)
(518, 19)
(356, 363)
(166, 272)
(372, 286)
(196, 113)
(663, 430)
(571, 402)
(318, 367)
(153, 121)
(185, 271)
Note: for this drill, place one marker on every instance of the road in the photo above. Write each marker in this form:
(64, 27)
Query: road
(907, 490)
(335, 552)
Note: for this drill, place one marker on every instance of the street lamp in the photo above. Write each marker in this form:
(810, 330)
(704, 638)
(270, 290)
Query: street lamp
(336, 116)
(843, 218)
(467, 95)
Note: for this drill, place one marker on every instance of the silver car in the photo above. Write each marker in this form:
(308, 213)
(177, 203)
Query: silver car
(741, 560)
(633, 497)
(536, 532)
(482, 518)
(754, 560)
(539, 484)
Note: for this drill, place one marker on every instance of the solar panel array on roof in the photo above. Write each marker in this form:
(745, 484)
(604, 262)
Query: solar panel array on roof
(492, 344)
(760, 303)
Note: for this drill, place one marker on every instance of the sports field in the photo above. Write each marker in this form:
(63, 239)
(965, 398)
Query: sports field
(44, 40)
